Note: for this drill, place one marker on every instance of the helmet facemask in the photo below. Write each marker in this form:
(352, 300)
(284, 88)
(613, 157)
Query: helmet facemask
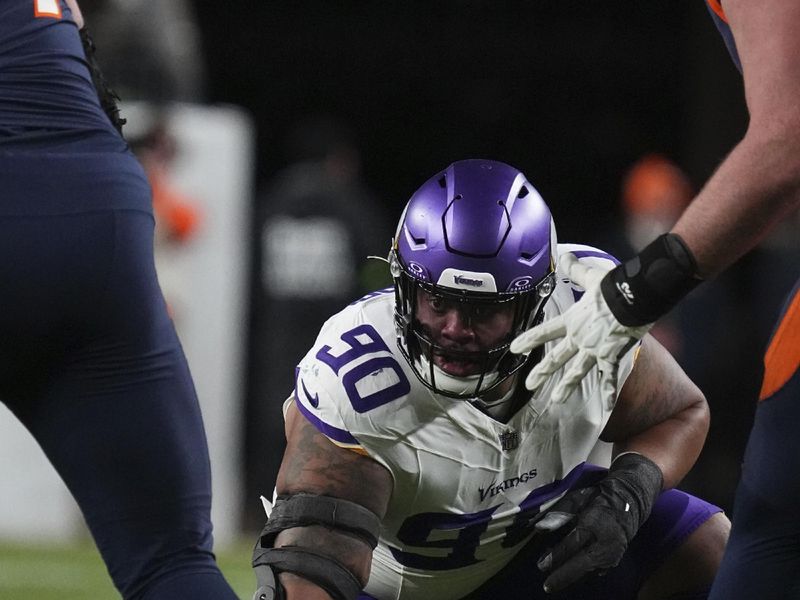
(496, 364)
(475, 234)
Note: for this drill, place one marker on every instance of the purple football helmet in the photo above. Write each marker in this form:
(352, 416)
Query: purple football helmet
(476, 232)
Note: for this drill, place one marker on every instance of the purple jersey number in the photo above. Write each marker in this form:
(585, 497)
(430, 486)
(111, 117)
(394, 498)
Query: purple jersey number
(363, 341)
(424, 531)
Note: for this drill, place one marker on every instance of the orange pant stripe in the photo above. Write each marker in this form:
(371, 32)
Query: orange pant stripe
(783, 354)
(716, 6)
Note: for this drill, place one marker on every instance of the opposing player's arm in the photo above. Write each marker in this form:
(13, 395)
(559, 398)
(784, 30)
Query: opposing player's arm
(660, 414)
(759, 182)
(312, 464)
(77, 16)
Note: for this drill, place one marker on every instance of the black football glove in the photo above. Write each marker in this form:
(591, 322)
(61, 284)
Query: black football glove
(604, 518)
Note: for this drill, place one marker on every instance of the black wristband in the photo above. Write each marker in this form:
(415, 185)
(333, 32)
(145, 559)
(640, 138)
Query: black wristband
(639, 480)
(643, 473)
(646, 287)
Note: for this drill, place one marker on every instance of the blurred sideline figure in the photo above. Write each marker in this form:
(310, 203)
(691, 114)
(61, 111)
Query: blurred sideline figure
(654, 194)
(153, 57)
(89, 359)
(317, 224)
(151, 49)
(410, 432)
(753, 190)
(178, 217)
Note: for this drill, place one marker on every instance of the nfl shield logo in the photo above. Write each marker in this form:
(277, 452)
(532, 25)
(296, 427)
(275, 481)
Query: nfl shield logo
(509, 439)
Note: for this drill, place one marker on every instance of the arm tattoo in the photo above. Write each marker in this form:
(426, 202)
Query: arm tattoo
(657, 398)
(656, 390)
(312, 463)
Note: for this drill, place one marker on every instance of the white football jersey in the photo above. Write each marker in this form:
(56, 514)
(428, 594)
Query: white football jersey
(465, 485)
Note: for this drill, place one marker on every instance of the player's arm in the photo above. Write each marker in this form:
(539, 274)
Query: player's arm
(660, 414)
(759, 182)
(334, 484)
(756, 186)
(658, 427)
(77, 16)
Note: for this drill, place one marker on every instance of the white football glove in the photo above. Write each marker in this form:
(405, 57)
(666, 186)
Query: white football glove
(591, 336)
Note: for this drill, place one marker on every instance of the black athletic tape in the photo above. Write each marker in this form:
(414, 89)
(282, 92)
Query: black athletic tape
(107, 97)
(642, 479)
(320, 569)
(301, 510)
(269, 588)
(645, 288)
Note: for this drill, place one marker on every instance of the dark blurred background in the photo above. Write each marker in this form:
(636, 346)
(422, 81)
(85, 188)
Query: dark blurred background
(570, 92)
(615, 110)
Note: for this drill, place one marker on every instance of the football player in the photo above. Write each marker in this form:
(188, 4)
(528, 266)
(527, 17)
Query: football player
(755, 188)
(418, 466)
(89, 359)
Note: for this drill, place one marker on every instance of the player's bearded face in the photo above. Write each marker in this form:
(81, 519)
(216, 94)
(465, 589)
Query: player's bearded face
(462, 329)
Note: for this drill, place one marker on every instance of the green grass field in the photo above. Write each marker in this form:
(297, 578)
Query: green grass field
(77, 573)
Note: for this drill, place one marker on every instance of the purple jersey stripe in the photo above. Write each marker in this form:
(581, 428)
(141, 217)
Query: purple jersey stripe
(381, 292)
(334, 433)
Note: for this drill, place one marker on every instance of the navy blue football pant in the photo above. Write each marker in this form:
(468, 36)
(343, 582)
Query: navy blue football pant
(91, 365)
(762, 558)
